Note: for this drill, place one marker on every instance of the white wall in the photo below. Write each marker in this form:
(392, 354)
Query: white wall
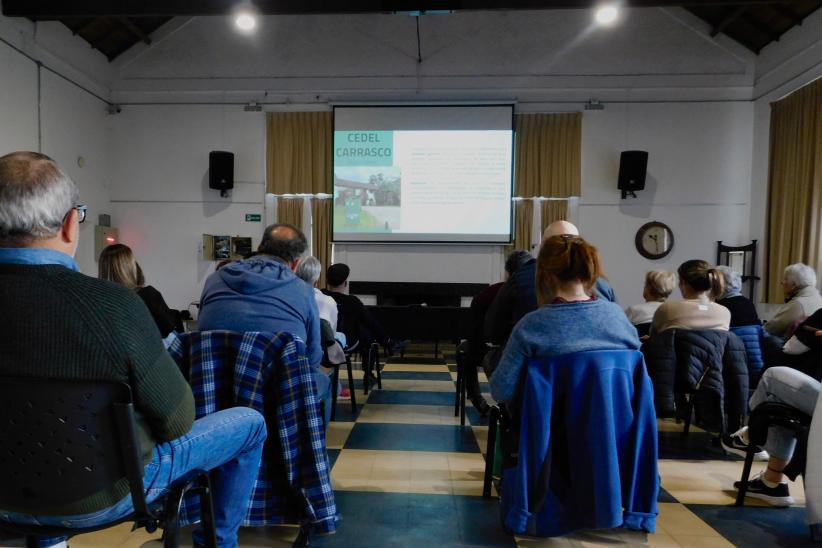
(160, 197)
(73, 124)
(698, 183)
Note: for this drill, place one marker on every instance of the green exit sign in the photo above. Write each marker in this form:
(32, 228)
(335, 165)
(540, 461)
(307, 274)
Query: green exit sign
(253, 217)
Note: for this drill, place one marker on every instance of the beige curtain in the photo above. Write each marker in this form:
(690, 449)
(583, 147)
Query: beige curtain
(523, 218)
(553, 210)
(548, 155)
(795, 185)
(298, 152)
(321, 234)
(290, 210)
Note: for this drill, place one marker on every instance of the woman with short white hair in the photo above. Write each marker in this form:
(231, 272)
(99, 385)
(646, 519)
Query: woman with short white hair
(743, 311)
(801, 299)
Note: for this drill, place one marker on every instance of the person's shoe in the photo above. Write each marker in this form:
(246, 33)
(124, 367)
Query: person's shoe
(737, 443)
(480, 405)
(778, 496)
(345, 394)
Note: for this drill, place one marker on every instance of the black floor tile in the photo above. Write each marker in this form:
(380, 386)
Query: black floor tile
(694, 446)
(332, 456)
(402, 397)
(412, 520)
(665, 496)
(757, 526)
(412, 437)
(417, 375)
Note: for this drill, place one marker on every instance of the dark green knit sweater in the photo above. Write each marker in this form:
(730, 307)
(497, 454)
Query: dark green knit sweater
(59, 324)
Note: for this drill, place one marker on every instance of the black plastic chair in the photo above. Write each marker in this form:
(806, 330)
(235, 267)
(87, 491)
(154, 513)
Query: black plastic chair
(371, 362)
(494, 417)
(763, 417)
(62, 441)
(335, 379)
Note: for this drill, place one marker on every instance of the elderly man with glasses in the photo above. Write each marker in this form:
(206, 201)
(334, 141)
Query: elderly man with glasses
(56, 323)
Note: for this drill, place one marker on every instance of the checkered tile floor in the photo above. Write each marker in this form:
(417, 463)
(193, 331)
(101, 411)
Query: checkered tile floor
(406, 474)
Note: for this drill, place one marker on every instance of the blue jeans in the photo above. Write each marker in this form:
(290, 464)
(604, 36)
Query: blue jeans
(230, 442)
(791, 387)
(323, 383)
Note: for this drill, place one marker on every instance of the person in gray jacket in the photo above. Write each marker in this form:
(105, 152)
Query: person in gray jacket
(801, 299)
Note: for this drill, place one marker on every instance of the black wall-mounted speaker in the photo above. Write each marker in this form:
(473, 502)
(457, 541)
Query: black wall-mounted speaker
(221, 170)
(633, 165)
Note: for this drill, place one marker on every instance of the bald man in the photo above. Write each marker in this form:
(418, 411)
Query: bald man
(518, 296)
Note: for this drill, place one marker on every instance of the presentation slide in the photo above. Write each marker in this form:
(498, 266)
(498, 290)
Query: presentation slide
(423, 173)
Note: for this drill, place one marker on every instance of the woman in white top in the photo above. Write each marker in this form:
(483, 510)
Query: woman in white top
(700, 284)
(659, 284)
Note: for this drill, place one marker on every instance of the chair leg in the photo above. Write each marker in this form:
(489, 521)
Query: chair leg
(746, 473)
(490, 449)
(687, 428)
(335, 383)
(458, 390)
(351, 387)
(303, 538)
(814, 529)
(375, 351)
(207, 523)
(366, 367)
(462, 402)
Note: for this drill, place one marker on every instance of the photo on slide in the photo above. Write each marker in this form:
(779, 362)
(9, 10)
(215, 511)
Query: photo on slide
(367, 199)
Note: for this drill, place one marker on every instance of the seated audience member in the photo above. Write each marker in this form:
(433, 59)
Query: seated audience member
(355, 321)
(263, 294)
(790, 387)
(659, 284)
(801, 299)
(803, 351)
(743, 311)
(309, 271)
(517, 296)
(69, 326)
(117, 264)
(699, 284)
(475, 347)
(571, 318)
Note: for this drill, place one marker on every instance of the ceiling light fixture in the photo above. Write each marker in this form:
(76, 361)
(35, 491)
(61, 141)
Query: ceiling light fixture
(245, 22)
(607, 14)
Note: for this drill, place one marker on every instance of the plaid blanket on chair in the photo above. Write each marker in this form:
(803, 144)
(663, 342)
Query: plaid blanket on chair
(270, 373)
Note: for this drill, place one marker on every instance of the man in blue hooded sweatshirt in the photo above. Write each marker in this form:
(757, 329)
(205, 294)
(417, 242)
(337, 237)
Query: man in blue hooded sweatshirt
(263, 294)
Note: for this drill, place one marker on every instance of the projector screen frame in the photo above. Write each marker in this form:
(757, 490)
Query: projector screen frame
(511, 219)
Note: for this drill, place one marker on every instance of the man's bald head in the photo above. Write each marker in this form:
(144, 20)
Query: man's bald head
(35, 197)
(284, 241)
(560, 228)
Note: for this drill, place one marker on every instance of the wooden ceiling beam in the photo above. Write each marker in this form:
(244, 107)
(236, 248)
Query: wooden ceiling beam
(732, 15)
(134, 29)
(55, 9)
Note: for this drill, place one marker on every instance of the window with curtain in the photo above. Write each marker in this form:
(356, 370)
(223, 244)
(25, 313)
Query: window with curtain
(548, 155)
(794, 185)
(290, 210)
(298, 152)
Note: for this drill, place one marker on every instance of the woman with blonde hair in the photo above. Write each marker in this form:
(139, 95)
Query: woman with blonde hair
(659, 284)
(117, 264)
(700, 284)
(570, 317)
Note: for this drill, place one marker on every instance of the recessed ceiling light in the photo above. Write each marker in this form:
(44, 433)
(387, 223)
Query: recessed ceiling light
(245, 22)
(606, 15)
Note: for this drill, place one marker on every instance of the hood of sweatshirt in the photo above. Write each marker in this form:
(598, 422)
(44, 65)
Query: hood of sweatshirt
(257, 274)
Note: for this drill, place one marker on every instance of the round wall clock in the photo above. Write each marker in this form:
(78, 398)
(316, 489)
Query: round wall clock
(654, 240)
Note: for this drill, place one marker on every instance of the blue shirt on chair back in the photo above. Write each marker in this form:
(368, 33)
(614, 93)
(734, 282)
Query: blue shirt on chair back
(587, 447)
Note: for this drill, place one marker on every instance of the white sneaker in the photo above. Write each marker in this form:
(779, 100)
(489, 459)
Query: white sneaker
(737, 443)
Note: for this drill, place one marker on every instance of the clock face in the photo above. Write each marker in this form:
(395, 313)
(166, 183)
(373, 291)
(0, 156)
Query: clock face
(654, 240)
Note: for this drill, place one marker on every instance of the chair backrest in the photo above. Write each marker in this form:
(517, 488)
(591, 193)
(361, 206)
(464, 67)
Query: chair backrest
(62, 441)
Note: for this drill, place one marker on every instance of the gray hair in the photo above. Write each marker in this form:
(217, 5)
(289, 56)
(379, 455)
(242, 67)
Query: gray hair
(733, 279)
(309, 270)
(800, 275)
(35, 196)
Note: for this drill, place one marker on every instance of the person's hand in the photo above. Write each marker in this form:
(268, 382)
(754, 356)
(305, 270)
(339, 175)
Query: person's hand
(644, 338)
(326, 370)
(818, 333)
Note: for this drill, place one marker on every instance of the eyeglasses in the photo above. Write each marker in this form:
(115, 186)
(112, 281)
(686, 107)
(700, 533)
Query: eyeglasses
(81, 212)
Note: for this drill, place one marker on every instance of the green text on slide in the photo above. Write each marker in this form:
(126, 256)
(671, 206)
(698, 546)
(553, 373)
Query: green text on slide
(363, 148)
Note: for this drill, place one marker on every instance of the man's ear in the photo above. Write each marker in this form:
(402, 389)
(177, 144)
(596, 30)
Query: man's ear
(293, 266)
(70, 229)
